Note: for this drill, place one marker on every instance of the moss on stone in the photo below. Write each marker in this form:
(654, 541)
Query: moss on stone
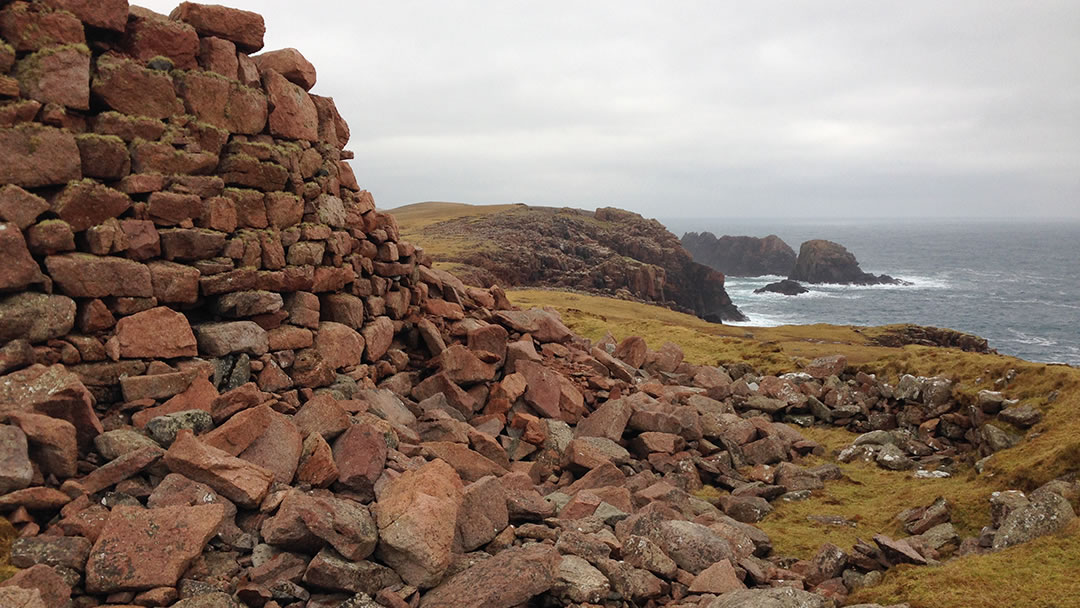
(52, 50)
(113, 139)
(241, 157)
(205, 126)
(288, 147)
(258, 144)
(179, 74)
(52, 222)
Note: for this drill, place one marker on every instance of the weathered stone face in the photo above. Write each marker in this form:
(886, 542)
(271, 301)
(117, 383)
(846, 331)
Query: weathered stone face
(36, 155)
(417, 515)
(129, 88)
(146, 548)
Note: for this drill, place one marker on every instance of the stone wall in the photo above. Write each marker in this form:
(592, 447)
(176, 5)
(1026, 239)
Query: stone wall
(165, 194)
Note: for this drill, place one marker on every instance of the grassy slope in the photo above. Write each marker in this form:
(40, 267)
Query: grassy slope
(416, 219)
(1041, 573)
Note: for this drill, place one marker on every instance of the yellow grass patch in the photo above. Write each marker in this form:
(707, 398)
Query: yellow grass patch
(7, 536)
(1038, 574)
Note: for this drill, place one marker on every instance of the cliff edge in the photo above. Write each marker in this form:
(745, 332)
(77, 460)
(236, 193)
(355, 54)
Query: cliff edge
(741, 256)
(608, 251)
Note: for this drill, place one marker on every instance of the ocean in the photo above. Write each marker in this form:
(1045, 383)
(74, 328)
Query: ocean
(1015, 283)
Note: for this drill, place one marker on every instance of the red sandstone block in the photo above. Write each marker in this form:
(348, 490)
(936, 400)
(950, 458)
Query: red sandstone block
(245, 28)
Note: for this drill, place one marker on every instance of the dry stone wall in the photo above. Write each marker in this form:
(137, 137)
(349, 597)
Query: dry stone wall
(165, 195)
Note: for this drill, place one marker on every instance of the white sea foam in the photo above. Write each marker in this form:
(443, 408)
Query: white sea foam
(759, 320)
(1023, 338)
(749, 284)
(916, 282)
(1043, 303)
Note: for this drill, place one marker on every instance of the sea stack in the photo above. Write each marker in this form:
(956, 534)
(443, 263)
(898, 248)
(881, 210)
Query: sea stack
(822, 261)
(741, 256)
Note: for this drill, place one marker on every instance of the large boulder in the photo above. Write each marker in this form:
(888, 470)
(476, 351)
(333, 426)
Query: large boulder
(694, 547)
(240, 481)
(360, 455)
(84, 204)
(106, 14)
(294, 115)
(59, 75)
(417, 515)
(1046, 513)
(82, 275)
(291, 64)
(18, 597)
(307, 522)
(43, 579)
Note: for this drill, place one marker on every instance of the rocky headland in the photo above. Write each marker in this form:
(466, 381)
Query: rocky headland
(741, 256)
(608, 251)
(227, 381)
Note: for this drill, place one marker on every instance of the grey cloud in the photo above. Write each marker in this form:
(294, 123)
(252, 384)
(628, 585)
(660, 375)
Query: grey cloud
(960, 108)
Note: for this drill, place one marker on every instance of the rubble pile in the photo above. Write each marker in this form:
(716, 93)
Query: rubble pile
(920, 423)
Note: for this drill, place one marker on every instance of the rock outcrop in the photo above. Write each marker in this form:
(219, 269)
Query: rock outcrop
(901, 335)
(786, 287)
(741, 256)
(609, 251)
(822, 261)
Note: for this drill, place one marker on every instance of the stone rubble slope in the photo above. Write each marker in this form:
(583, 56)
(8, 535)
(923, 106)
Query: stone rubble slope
(225, 381)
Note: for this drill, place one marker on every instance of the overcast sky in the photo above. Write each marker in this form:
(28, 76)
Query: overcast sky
(715, 108)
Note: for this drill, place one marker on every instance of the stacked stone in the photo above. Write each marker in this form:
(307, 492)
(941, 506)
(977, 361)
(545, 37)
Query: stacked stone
(227, 381)
(165, 195)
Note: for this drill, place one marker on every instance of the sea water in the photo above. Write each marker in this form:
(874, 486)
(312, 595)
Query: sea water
(1015, 283)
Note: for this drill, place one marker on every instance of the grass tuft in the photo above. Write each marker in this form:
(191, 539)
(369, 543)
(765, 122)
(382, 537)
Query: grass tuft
(7, 536)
